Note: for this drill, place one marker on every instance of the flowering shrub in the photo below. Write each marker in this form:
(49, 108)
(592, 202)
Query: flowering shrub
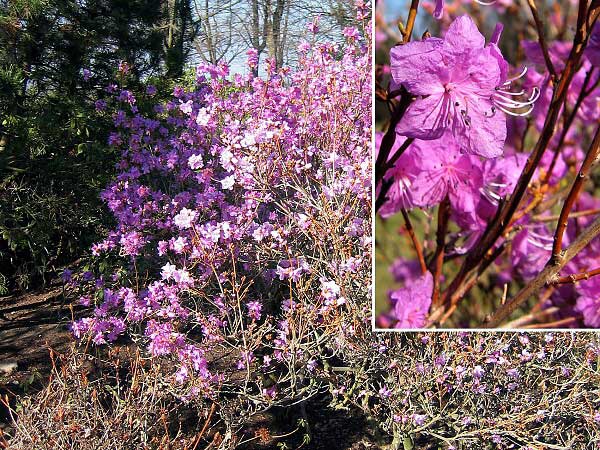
(242, 243)
(495, 141)
(478, 390)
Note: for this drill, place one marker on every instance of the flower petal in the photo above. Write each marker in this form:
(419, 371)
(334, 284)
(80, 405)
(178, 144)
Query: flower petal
(425, 118)
(416, 65)
(485, 133)
(463, 35)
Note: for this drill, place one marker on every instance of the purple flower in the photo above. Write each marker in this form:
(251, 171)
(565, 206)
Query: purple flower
(185, 218)
(513, 373)
(100, 105)
(168, 271)
(67, 275)
(592, 51)
(478, 372)
(418, 419)
(124, 67)
(460, 84)
(444, 171)
(385, 392)
(412, 302)
(252, 56)
(186, 107)
(195, 162)
(329, 289)
(151, 90)
(588, 303)
(402, 175)
(227, 183)
(132, 243)
(254, 309)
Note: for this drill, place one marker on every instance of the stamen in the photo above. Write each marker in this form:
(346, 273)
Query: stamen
(465, 117)
(521, 92)
(537, 240)
(516, 77)
(492, 112)
(510, 103)
(504, 101)
(514, 114)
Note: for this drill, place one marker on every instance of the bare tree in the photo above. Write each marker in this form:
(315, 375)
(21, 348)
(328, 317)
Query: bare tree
(219, 37)
(181, 29)
(271, 27)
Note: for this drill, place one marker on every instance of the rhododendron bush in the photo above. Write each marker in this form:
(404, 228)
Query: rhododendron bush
(241, 249)
(480, 391)
(486, 195)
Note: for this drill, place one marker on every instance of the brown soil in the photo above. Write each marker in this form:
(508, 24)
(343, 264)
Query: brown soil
(33, 324)
(30, 325)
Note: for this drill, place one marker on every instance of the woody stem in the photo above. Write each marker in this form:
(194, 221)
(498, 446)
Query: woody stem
(590, 157)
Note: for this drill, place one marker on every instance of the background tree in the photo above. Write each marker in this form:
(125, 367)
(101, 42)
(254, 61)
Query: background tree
(273, 28)
(55, 60)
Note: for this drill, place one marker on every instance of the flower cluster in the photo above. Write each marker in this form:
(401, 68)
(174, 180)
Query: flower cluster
(242, 209)
(463, 127)
(465, 390)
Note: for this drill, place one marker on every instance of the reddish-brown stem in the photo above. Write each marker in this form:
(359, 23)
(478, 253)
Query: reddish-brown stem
(587, 212)
(542, 39)
(387, 142)
(439, 315)
(389, 138)
(531, 317)
(585, 21)
(415, 241)
(438, 257)
(410, 22)
(565, 130)
(575, 277)
(555, 324)
(590, 157)
(545, 277)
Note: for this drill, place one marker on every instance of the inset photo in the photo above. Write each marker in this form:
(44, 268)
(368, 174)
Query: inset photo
(486, 186)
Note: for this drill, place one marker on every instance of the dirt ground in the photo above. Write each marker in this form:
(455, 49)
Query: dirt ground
(32, 324)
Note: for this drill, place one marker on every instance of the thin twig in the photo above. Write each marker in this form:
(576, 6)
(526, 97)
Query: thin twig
(438, 258)
(410, 22)
(545, 277)
(590, 157)
(575, 277)
(415, 241)
(542, 39)
(576, 214)
(565, 129)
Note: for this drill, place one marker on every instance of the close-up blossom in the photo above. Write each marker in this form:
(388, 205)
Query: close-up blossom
(484, 174)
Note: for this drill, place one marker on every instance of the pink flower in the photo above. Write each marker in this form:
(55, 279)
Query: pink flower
(185, 218)
(460, 84)
(412, 302)
(195, 162)
(402, 174)
(186, 107)
(593, 49)
(228, 182)
(168, 271)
